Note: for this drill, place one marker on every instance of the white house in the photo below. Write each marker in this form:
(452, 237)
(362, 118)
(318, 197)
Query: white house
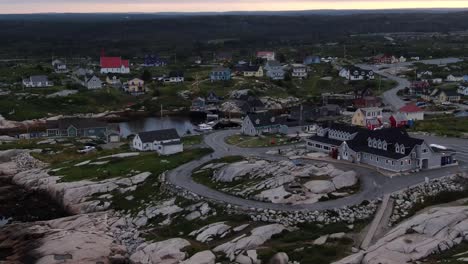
(412, 112)
(114, 65)
(91, 82)
(452, 78)
(356, 74)
(174, 77)
(299, 71)
(165, 142)
(37, 81)
(59, 66)
(463, 90)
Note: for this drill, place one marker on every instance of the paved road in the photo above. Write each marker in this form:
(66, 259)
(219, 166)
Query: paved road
(373, 184)
(390, 97)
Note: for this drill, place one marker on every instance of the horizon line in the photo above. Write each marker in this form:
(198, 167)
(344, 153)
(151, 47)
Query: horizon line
(252, 11)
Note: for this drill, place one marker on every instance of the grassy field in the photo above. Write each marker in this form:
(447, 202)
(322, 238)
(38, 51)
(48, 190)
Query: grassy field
(260, 141)
(120, 167)
(443, 126)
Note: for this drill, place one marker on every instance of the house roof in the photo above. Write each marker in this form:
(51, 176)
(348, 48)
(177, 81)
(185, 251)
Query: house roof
(113, 62)
(158, 135)
(391, 136)
(266, 119)
(450, 92)
(79, 123)
(342, 127)
(264, 53)
(273, 63)
(220, 69)
(326, 140)
(410, 108)
(39, 78)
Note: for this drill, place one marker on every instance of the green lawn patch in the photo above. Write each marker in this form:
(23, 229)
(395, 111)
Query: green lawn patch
(260, 141)
(120, 167)
(443, 126)
(192, 140)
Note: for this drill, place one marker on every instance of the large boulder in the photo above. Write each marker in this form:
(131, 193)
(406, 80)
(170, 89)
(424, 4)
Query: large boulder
(279, 258)
(425, 234)
(209, 232)
(345, 179)
(242, 244)
(320, 186)
(163, 252)
(203, 257)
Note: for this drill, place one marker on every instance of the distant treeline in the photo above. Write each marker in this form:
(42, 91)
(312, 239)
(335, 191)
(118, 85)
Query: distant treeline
(189, 35)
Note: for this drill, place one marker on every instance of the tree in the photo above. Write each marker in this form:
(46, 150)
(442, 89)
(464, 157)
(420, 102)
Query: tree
(146, 76)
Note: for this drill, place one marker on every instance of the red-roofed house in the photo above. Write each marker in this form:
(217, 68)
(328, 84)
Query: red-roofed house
(114, 65)
(412, 112)
(268, 55)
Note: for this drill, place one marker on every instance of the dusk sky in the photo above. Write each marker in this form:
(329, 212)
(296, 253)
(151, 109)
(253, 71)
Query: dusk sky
(82, 6)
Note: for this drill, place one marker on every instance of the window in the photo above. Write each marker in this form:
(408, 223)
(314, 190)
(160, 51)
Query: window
(397, 148)
(370, 142)
(401, 163)
(424, 151)
(402, 149)
(375, 143)
(380, 145)
(384, 146)
(393, 163)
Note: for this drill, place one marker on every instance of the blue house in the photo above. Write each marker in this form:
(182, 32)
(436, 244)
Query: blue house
(465, 78)
(220, 74)
(154, 61)
(312, 60)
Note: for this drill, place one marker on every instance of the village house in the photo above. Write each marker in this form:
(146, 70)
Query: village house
(356, 74)
(174, 77)
(135, 86)
(59, 66)
(274, 70)
(390, 149)
(309, 60)
(164, 142)
(154, 61)
(78, 72)
(367, 101)
(37, 81)
(412, 112)
(114, 81)
(90, 82)
(394, 120)
(212, 98)
(266, 55)
(258, 124)
(444, 96)
(198, 105)
(252, 71)
(463, 89)
(299, 71)
(419, 87)
(424, 74)
(398, 60)
(76, 127)
(220, 74)
(367, 117)
(114, 65)
(453, 78)
(382, 59)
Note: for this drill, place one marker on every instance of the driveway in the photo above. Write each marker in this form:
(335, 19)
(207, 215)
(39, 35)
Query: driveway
(373, 183)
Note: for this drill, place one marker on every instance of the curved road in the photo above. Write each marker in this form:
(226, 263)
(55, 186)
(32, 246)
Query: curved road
(373, 184)
(390, 97)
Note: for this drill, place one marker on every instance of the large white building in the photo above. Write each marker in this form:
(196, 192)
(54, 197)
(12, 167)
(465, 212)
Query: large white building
(165, 142)
(114, 65)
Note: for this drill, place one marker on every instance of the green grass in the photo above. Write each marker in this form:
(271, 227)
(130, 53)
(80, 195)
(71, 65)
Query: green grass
(260, 141)
(120, 167)
(448, 257)
(291, 242)
(192, 140)
(443, 126)
(21, 108)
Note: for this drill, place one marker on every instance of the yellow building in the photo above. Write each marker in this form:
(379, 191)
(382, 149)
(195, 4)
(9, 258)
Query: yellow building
(136, 86)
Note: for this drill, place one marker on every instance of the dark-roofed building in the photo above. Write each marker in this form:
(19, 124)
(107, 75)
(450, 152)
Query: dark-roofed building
(256, 124)
(354, 73)
(77, 127)
(37, 81)
(391, 149)
(152, 60)
(165, 142)
(175, 77)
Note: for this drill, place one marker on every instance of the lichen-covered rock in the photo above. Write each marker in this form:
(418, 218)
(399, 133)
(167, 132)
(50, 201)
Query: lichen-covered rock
(163, 252)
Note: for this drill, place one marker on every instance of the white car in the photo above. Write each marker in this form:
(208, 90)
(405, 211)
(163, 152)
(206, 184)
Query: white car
(87, 149)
